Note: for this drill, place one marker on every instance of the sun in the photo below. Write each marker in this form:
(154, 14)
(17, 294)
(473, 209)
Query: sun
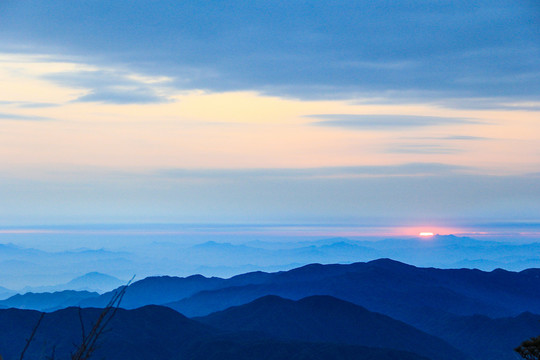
(426, 234)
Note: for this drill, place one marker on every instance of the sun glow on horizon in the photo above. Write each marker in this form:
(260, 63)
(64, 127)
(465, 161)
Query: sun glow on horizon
(426, 234)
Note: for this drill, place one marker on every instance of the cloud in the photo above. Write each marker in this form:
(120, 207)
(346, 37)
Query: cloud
(422, 149)
(6, 116)
(450, 138)
(382, 122)
(412, 169)
(28, 105)
(494, 103)
(122, 96)
(464, 137)
(446, 51)
(112, 86)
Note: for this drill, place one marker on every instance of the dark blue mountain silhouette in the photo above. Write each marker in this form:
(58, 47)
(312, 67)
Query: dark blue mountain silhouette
(386, 286)
(154, 332)
(327, 319)
(482, 337)
(399, 290)
(158, 290)
(429, 299)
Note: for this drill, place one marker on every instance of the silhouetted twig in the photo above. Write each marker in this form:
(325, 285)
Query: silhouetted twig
(88, 345)
(83, 334)
(29, 340)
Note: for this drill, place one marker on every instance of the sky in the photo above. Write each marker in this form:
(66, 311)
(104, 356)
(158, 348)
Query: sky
(396, 113)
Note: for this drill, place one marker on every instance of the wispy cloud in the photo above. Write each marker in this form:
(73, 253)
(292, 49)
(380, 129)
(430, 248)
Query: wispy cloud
(464, 137)
(114, 87)
(450, 138)
(28, 105)
(382, 122)
(412, 169)
(6, 116)
(434, 149)
(118, 95)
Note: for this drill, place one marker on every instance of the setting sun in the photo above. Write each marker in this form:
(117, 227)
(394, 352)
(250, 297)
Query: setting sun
(426, 234)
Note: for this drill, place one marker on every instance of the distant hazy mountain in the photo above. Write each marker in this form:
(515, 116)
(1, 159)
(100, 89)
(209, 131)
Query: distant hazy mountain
(157, 333)
(5, 293)
(327, 319)
(30, 268)
(47, 301)
(337, 250)
(92, 281)
(35, 268)
(449, 251)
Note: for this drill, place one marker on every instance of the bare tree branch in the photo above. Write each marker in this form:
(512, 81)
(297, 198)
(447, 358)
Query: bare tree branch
(29, 340)
(89, 341)
(88, 345)
(83, 334)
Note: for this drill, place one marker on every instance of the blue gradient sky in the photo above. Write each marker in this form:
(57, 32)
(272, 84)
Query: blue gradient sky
(409, 113)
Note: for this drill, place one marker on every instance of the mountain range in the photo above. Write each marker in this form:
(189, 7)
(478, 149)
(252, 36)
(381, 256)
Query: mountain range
(441, 302)
(329, 320)
(47, 301)
(429, 311)
(157, 333)
(5, 293)
(124, 256)
(386, 286)
(93, 281)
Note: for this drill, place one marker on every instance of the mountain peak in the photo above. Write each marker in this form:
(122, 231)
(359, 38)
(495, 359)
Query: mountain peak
(94, 281)
(322, 318)
(389, 263)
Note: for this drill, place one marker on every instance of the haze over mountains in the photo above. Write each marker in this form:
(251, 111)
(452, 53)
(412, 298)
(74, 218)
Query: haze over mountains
(30, 269)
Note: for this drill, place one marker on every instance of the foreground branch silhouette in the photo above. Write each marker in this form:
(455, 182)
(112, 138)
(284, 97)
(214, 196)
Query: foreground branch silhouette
(88, 344)
(89, 341)
(29, 340)
(529, 349)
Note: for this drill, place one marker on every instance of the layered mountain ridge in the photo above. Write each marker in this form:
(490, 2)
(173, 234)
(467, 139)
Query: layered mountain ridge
(442, 313)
